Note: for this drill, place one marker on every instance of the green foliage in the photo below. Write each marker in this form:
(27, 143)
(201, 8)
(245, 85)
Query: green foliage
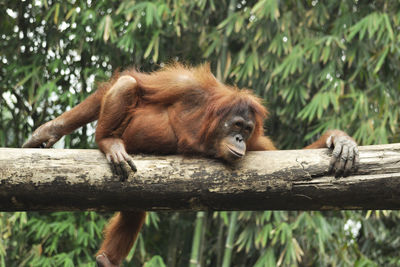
(56, 239)
(318, 65)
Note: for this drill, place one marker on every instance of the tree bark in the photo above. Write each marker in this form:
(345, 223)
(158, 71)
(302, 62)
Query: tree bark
(62, 179)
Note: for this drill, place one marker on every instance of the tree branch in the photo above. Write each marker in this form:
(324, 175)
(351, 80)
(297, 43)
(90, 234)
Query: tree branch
(62, 179)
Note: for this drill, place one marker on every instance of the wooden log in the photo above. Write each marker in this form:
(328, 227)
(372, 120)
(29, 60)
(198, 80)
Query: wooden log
(75, 179)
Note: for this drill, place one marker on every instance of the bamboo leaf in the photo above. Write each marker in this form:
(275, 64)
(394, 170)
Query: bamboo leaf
(388, 27)
(381, 59)
(70, 13)
(56, 13)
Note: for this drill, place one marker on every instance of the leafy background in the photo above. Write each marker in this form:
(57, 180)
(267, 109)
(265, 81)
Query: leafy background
(318, 65)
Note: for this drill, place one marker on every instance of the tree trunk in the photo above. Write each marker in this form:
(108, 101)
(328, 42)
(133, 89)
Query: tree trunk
(61, 179)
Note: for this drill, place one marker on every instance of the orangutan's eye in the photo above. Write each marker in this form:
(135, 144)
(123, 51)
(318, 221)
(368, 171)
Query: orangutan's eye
(238, 125)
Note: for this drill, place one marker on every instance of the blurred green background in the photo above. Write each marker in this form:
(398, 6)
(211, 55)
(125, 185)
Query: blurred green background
(318, 65)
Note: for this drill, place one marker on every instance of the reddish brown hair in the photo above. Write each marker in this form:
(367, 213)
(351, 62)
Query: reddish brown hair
(176, 81)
